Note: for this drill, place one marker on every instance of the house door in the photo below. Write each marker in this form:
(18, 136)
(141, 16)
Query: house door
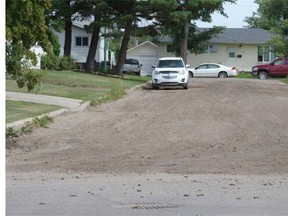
(231, 56)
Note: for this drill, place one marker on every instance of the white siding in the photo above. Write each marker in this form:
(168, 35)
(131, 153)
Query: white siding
(80, 52)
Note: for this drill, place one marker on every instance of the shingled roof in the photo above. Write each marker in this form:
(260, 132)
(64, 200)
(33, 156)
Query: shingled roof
(243, 36)
(236, 36)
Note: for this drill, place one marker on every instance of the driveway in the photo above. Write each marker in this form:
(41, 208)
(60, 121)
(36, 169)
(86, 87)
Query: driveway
(217, 127)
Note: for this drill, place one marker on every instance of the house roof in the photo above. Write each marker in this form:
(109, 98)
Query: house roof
(146, 42)
(82, 23)
(243, 36)
(235, 36)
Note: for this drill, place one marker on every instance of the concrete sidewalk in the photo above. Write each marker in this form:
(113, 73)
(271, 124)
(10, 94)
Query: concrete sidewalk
(68, 104)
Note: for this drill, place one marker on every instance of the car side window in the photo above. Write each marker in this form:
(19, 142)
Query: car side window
(202, 67)
(286, 61)
(278, 62)
(212, 66)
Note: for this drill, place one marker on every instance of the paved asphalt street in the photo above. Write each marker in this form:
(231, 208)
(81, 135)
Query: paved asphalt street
(145, 194)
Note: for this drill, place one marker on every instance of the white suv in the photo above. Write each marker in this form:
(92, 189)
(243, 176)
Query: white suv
(170, 71)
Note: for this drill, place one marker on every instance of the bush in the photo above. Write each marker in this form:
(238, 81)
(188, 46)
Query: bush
(52, 62)
(67, 63)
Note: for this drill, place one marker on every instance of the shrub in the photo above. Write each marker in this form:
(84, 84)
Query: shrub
(28, 127)
(52, 62)
(66, 63)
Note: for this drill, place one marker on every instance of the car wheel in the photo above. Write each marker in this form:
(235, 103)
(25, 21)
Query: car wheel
(185, 86)
(222, 75)
(262, 75)
(191, 74)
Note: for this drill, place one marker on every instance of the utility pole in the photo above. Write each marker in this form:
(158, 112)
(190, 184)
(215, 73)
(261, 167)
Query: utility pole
(105, 49)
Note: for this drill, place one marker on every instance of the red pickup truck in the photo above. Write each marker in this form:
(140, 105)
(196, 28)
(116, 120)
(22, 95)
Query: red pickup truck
(277, 68)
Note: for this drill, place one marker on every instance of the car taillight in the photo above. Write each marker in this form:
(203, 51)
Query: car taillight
(233, 68)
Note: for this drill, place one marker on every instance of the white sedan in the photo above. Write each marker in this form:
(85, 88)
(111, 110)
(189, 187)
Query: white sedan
(213, 70)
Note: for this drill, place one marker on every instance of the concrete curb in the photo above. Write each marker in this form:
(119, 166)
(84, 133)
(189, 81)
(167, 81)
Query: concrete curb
(71, 105)
(21, 123)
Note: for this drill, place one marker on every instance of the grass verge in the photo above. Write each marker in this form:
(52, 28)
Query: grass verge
(285, 80)
(83, 86)
(77, 85)
(245, 75)
(17, 110)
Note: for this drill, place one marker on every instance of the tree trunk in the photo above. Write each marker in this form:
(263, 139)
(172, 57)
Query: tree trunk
(68, 38)
(124, 48)
(184, 42)
(92, 50)
(94, 42)
(125, 43)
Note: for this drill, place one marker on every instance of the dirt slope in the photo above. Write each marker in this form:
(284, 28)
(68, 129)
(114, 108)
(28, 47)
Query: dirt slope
(226, 126)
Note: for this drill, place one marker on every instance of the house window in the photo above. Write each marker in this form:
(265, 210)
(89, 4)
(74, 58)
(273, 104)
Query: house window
(213, 49)
(266, 54)
(232, 54)
(170, 48)
(210, 49)
(81, 41)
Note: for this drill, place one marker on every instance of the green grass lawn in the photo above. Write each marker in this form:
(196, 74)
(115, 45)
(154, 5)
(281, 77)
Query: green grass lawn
(82, 86)
(245, 75)
(77, 85)
(17, 110)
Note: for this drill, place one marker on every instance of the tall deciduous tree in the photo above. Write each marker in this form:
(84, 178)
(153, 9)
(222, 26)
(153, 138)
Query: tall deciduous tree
(25, 27)
(177, 19)
(272, 15)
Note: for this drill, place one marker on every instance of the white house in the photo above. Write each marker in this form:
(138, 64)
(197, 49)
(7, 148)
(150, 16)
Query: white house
(240, 47)
(80, 44)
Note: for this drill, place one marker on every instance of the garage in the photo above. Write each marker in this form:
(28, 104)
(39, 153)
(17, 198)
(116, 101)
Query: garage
(147, 61)
(146, 54)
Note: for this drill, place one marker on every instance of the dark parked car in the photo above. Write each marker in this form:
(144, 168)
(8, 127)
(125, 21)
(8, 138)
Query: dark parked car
(277, 68)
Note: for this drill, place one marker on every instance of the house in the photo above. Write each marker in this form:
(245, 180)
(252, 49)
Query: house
(80, 44)
(240, 47)
(146, 53)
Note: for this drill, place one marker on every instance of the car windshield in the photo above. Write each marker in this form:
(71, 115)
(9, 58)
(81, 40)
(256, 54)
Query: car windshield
(131, 61)
(170, 64)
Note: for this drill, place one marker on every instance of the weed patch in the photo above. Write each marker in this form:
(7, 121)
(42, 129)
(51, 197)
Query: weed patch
(28, 127)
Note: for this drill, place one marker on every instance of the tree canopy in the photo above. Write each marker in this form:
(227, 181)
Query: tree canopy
(176, 18)
(25, 27)
(272, 16)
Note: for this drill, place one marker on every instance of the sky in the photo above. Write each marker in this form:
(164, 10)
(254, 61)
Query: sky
(236, 14)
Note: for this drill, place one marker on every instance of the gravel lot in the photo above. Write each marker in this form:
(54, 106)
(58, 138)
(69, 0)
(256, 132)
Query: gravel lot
(217, 126)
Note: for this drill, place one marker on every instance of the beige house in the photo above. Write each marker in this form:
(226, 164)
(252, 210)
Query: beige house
(240, 47)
